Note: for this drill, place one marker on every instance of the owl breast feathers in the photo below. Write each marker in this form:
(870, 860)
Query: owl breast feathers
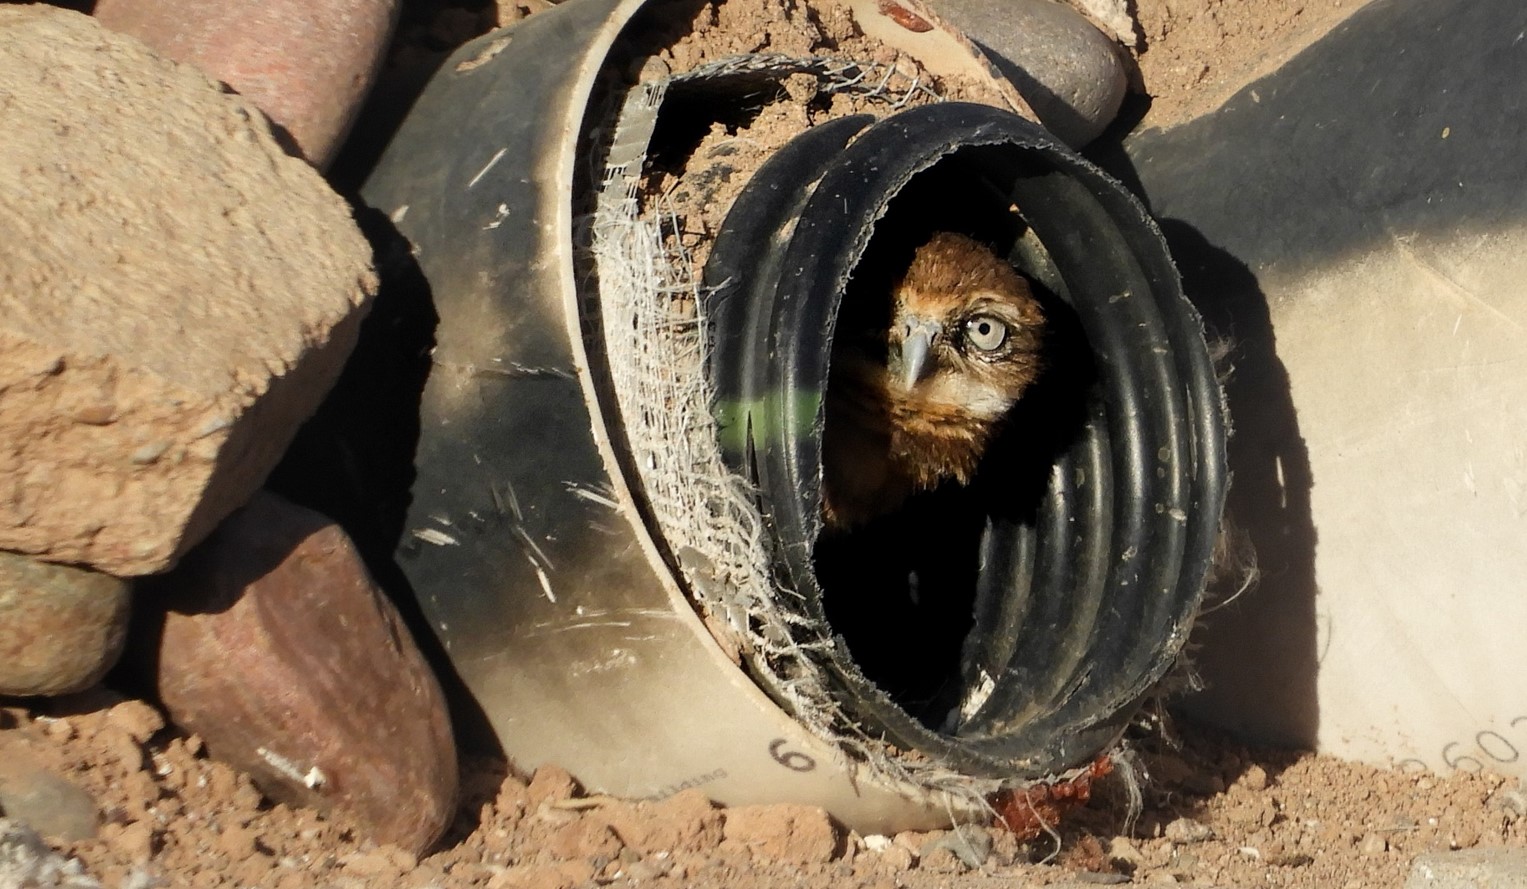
(914, 403)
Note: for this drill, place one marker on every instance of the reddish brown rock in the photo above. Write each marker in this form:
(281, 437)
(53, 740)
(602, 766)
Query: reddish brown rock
(308, 64)
(783, 832)
(177, 294)
(61, 628)
(280, 652)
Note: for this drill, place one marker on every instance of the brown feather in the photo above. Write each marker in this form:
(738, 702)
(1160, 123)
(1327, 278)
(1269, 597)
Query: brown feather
(884, 440)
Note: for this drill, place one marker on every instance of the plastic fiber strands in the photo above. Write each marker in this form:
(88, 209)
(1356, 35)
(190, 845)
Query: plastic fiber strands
(615, 528)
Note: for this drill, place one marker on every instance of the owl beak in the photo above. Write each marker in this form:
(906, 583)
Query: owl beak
(916, 344)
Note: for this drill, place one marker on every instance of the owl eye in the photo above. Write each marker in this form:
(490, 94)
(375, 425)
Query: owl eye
(985, 333)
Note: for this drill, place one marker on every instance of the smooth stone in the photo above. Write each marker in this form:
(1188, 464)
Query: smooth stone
(61, 628)
(280, 651)
(1071, 74)
(308, 64)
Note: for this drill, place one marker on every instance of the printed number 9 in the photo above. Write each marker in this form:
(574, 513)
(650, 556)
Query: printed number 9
(793, 760)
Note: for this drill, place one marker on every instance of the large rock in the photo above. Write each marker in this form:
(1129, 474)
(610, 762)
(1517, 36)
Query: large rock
(176, 296)
(280, 652)
(307, 63)
(61, 628)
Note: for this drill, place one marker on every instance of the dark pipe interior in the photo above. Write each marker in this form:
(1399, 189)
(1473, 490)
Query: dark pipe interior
(1008, 628)
(903, 591)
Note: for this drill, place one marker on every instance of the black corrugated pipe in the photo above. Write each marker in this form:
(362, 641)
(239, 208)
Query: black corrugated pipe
(1010, 628)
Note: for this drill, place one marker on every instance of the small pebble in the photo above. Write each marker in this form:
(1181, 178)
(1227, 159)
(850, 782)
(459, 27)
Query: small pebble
(61, 627)
(1288, 858)
(1374, 844)
(1122, 851)
(1254, 778)
(1187, 831)
(970, 844)
(369, 864)
(1065, 68)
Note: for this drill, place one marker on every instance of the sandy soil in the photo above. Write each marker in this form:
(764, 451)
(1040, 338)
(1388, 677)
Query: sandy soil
(1212, 812)
(1194, 54)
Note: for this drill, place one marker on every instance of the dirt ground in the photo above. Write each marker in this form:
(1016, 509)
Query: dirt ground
(1211, 811)
(1194, 54)
(1215, 813)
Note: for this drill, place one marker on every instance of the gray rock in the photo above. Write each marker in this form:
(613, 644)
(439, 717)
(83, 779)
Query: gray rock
(969, 843)
(1071, 73)
(53, 806)
(61, 628)
(25, 860)
(1501, 868)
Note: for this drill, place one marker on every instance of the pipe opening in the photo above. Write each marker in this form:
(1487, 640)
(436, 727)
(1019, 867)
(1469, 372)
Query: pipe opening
(921, 596)
(1010, 627)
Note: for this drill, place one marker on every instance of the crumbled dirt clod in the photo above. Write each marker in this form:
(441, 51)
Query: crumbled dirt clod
(805, 834)
(699, 188)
